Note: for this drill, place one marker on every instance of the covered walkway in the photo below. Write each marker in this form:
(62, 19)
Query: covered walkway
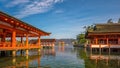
(12, 29)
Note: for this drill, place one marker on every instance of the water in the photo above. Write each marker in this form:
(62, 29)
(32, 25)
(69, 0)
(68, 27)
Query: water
(61, 57)
(65, 57)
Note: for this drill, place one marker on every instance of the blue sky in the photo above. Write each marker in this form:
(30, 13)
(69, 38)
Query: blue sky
(63, 18)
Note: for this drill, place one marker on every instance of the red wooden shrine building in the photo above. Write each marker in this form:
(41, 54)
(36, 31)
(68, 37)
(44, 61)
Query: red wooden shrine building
(48, 42)
(45, 42)
(12, 28)
(104, 36)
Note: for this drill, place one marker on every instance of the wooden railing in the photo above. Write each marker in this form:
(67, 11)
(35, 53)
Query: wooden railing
(5, 44)
(8, 46)
(34, 46)
(47, 44)
(105, 45)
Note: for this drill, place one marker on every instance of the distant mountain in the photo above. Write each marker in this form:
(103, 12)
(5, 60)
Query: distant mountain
(66, 41)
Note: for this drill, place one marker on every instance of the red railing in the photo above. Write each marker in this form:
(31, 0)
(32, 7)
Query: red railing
(5, 44)
(8, 46)
(105, 45)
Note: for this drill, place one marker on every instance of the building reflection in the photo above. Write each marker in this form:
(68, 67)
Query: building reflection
(20, 62)
(27, 61)
(110, 60)
(107, 59)
(61, 48)
(94, 60)
(48, 52)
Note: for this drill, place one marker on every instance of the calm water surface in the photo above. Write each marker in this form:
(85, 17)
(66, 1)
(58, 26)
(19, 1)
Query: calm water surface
(61, 57)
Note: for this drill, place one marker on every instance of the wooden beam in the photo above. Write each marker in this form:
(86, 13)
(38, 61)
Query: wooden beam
(10, 29)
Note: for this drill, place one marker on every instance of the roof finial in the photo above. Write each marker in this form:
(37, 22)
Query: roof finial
(109, 21)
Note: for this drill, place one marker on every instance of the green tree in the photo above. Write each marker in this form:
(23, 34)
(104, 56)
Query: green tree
(89, 28)
(109, 21)
(81, 39)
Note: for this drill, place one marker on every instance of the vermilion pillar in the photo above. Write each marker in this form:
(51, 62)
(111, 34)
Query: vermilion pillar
(14, 39)
(27, 40)
(39, 45)
(27, 51)
(39, 41)
(14, 43)
(96, 41)
(107, 41)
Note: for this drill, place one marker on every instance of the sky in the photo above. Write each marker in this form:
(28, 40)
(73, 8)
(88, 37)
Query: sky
(62, 18)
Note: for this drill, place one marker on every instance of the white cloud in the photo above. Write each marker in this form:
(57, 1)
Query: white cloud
(17, 2)
(34, 7)
(3, 0)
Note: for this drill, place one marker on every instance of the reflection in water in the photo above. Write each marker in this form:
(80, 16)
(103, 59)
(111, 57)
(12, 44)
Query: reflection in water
(48, 52)
(109, 61)
(99, 60)
(61, 48)
(14, 60)
(27, 61)
(61, 57)
(20, 62)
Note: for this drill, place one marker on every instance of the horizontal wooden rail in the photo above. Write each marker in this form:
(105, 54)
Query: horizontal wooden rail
(5, 44)
(105, 45)
(19, 46)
